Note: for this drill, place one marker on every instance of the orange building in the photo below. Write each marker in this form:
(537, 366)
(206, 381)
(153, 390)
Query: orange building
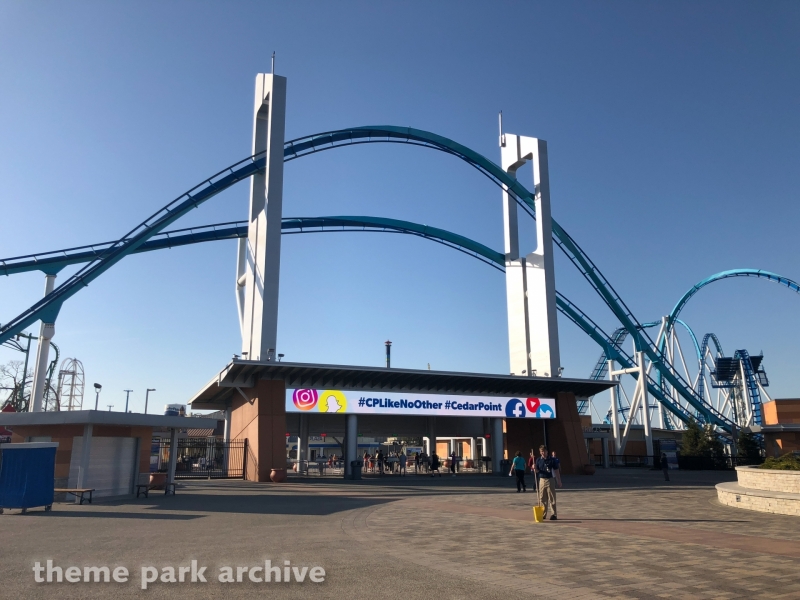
(781, 427)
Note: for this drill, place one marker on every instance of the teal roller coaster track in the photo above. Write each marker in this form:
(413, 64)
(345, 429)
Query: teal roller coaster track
(150, 234)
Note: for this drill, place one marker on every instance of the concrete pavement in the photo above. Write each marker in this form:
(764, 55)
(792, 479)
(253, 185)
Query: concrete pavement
(622, 533)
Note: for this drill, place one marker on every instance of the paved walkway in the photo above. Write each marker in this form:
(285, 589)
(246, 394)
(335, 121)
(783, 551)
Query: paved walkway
(621, 534)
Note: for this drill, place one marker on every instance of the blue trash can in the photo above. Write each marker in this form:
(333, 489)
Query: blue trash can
(27, 475)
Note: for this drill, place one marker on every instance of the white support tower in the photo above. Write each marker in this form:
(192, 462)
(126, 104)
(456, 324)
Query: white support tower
(639, 406)
(46, 333)
(259, 258)
(530, 279)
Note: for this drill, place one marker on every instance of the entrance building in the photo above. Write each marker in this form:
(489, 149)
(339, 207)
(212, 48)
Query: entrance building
(266, 401)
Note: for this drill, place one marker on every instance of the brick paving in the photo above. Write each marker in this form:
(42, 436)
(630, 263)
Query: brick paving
(621, 534)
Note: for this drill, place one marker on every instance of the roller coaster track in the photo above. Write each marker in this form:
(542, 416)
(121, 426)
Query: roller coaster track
(618, 338)
(47, 308)
(701, 380)
(774, 277)
(53, 262)
(50, 262)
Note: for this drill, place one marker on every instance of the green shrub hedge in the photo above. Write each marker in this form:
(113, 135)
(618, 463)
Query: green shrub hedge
(787, 462)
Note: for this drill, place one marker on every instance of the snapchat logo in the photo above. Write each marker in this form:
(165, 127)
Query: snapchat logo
(332, 401)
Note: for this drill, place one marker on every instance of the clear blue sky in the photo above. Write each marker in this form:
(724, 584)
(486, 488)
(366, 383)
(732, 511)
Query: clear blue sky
(674, 137)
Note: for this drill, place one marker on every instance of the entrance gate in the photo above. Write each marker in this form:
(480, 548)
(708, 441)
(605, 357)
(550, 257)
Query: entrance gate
(206, 458)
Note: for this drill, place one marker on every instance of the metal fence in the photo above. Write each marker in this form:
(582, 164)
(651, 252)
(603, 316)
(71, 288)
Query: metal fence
(204, 458)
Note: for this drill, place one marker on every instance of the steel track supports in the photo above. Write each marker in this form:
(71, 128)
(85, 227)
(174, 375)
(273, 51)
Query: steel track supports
(639, 403)
(614, 408)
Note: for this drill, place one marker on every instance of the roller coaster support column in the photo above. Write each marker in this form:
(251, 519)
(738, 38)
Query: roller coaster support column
(530, 280)
(498, 451)
(46, 333)
(639, 401)
(614, 408)
(259, 260)
(648, 431)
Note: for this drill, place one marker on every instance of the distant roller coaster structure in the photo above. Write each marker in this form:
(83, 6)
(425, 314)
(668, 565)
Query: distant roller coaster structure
(678, 397)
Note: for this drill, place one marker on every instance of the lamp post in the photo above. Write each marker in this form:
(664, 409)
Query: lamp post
(127, 395)
(97, 388)
(146, 396)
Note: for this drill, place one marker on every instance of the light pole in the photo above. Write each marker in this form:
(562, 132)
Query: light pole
(146, 396)
(388, 354)
(97, 388)
(127, 395)
(109, 407)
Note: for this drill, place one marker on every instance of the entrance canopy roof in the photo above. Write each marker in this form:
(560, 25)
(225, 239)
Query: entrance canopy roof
(103, 417)
(219, 392)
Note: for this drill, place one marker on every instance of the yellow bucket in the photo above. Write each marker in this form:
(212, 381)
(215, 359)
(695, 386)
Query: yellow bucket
(538, 514)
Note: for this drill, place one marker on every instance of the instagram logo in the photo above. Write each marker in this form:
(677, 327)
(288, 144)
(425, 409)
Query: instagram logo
(305, 399)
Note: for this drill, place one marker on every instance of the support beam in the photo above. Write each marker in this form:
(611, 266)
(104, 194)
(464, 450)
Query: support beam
(227, 440)
(46, 333)
(497, 444)
(351, 450)
(614, 408)
(261, 255)
(431, 425)
(302, 443)
(173, 455)
(648, 431)
(530, 280)
(86, 453)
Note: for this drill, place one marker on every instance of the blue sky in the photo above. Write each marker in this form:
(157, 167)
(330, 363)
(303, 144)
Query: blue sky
(673, 132)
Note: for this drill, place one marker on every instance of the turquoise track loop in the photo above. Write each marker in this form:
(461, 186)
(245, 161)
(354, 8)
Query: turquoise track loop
(774, 277)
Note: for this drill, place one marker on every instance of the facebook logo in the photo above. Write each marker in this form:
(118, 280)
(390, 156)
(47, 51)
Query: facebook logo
(515, 408)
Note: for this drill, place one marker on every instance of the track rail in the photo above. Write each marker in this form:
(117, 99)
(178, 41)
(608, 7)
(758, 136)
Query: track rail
(47, 308)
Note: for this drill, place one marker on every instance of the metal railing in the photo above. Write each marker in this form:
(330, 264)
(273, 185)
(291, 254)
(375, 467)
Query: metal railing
(688, 463)
(205, 458)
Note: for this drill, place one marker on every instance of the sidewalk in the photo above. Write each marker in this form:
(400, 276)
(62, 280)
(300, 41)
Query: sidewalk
(624, 533)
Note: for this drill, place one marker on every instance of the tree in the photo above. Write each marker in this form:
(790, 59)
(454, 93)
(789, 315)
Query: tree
(692, 440)
(11, 382)
(701, 441)
(748, 448)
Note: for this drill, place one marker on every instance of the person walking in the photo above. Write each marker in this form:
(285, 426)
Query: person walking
(403, 461)
(435, 464)
(544, 477)
(518, 468)
(665, 466)
(416, 462)
(379, 460)
(453, 459)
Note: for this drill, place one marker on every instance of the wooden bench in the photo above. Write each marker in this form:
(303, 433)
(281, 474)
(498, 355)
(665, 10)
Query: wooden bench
(144, 488)
(77, 492)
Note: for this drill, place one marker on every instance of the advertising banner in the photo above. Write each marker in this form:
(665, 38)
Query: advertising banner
(401, 403)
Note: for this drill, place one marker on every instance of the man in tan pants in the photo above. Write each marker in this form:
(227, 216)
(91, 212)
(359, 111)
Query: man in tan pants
(546, 470)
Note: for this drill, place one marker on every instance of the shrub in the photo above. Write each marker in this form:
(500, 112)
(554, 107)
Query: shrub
(787, 462)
